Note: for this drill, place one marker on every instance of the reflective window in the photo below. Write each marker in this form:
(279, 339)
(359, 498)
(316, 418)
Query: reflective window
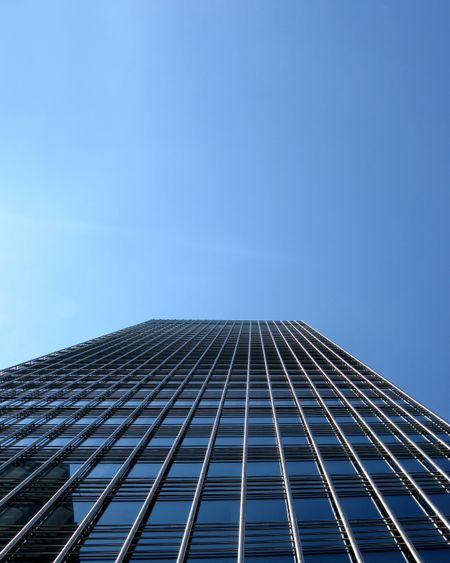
(313, 509)
(259, 468)
(104, 470)
(357, 508)
(142, 470)
(169, 512)
(267, 510)
(223, 511)
(404, 506)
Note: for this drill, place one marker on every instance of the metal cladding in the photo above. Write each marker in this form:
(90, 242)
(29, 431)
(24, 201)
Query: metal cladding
(218, 441)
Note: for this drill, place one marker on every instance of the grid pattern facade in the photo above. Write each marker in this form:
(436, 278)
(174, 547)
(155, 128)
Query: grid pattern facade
(218, 441)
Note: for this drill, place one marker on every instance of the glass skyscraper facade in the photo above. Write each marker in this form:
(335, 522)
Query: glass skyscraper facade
(218, 441)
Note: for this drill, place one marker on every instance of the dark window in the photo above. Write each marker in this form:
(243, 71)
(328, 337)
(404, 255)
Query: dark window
(223, 511)
(339, 466)
(185, 470)
(259, 468)
(359, 508)
(377, 466)
(120, 513)
(313, 509)
(404, 506)
(225, 469)
(169, 512)
(104, 470)
(267, 510)
(143, 470)
(302, 467)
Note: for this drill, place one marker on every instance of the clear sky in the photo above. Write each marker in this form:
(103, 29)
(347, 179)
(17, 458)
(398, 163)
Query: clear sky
(229, 159)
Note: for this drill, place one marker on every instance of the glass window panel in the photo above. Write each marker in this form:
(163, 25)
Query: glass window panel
(169, 512)
(118, 512)
(326, 439)
(377, 466)
(442, 502)
(261, 441)
(313, 509)
(357, 508)
(104, 470)
(339, 466)
(267, 510)
(294, 440)
(225, 469)
(404, 506)
(199, 441)
(302, 467)
(258, 468)
(180, 469)
(142, 470)
(219, 511)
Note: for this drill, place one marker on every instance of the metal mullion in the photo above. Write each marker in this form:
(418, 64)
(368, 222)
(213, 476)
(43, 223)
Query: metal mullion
(106, 445)
(348, 536)
(392, 459)
(67, 402)
(205, 465)
(97, 507)
(398, 528)
(400, 391)
(287, 487)
(42, 402)
(94, 424)
(242, 501)
(89, 353)
(105, 414)
(83, 391)
(382, 414)
(124, 550)
(32, 425)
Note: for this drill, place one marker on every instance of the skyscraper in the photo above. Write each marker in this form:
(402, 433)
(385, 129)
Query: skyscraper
(218, 441)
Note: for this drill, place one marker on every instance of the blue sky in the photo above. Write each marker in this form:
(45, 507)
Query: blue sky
(212, 159)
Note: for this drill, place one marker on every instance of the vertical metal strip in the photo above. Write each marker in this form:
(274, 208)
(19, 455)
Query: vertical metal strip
(396, 463)
(201, 479)
(131, 537)
(381, 392)
(106, 445)
(54, 431)
(382, 414)
(398, 389)
(55, 368)
(285, 475)
(242, 503)
(83, 391)
(398, 529)
(348, 534)
(91, 427)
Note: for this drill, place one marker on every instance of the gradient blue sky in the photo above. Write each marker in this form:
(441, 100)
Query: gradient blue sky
(229, 159)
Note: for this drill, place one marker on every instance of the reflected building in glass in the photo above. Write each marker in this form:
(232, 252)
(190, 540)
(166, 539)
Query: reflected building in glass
(218, 441)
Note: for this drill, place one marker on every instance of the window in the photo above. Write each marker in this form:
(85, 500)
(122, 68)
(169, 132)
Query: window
(104, 470)
(259, 468)
(359, 508)
(377, 466)
(404, 506)
(143, 470)
(223, 511)
(339, 466)
(169, 512)
(185, 470)
(302, 467)
(225, 469)
(120, 513)
(265, 510)
(313, 509)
